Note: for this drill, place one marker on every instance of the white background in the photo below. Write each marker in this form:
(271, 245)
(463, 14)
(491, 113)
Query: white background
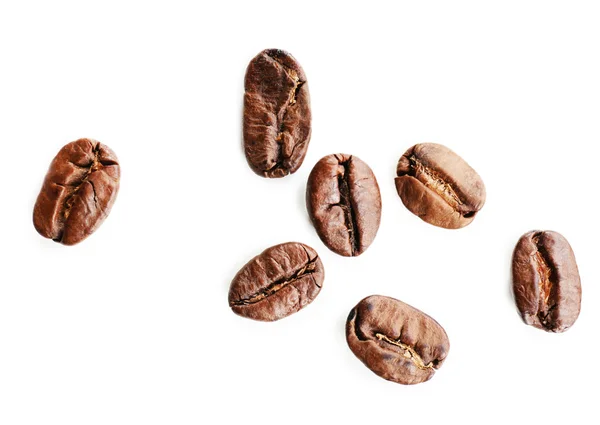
(132, 326)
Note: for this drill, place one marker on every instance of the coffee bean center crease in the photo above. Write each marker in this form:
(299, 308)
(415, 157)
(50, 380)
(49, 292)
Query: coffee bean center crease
(306, 270)
(346, 205)
(542, 262)
(409, 352)
(435, 182)
(283, 112)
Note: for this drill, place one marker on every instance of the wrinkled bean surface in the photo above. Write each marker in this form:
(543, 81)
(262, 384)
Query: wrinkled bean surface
(344, 203)
(276, 283)
(437, 185)
(546, 281)
(396, 341)
(277, 114)
(78, 192)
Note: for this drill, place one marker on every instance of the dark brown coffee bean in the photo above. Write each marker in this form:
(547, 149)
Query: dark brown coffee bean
(396, 341)
(78, 192)
(276, 114)
(276, 283)
(437, 185)
(546, 281)
(344, 204)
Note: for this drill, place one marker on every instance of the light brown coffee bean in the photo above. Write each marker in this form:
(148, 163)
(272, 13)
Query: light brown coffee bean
(437, 185)
(396, 341)
(546, 281)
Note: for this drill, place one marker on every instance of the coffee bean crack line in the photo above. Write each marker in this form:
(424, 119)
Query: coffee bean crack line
(69, 201)
(346, 205)
(541, 260)
(293, 95)
(306, 270)
(431, 179)
(409, 352)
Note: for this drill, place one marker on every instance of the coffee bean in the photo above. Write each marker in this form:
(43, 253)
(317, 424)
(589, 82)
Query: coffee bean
(396, 341)
(276, 283)
(78, 192)
(277, 114)
(546, 281)
(344, 204)
(437, 185)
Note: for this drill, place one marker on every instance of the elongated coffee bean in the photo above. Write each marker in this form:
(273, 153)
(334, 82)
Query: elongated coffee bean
(276, 283)
(344, 204)
(277, 114)
(437, 185)
(78, 192)
(396, 341)
(546, 281)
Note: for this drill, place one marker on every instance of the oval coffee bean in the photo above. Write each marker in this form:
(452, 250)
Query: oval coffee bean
(78, 192)
(546, 281)
(344, 204)
(437, 185)
(276, 283)
(396, 341)
(277, 114)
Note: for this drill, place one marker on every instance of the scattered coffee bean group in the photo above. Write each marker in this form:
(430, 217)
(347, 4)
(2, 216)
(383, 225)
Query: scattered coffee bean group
(393, 339)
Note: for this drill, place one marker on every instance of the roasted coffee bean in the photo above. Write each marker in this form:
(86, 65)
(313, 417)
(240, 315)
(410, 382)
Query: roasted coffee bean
(344, 204)
(437, 185)
(78, 192)
(546, 281)
(396, 341)
(277, 114)
(276, 283)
